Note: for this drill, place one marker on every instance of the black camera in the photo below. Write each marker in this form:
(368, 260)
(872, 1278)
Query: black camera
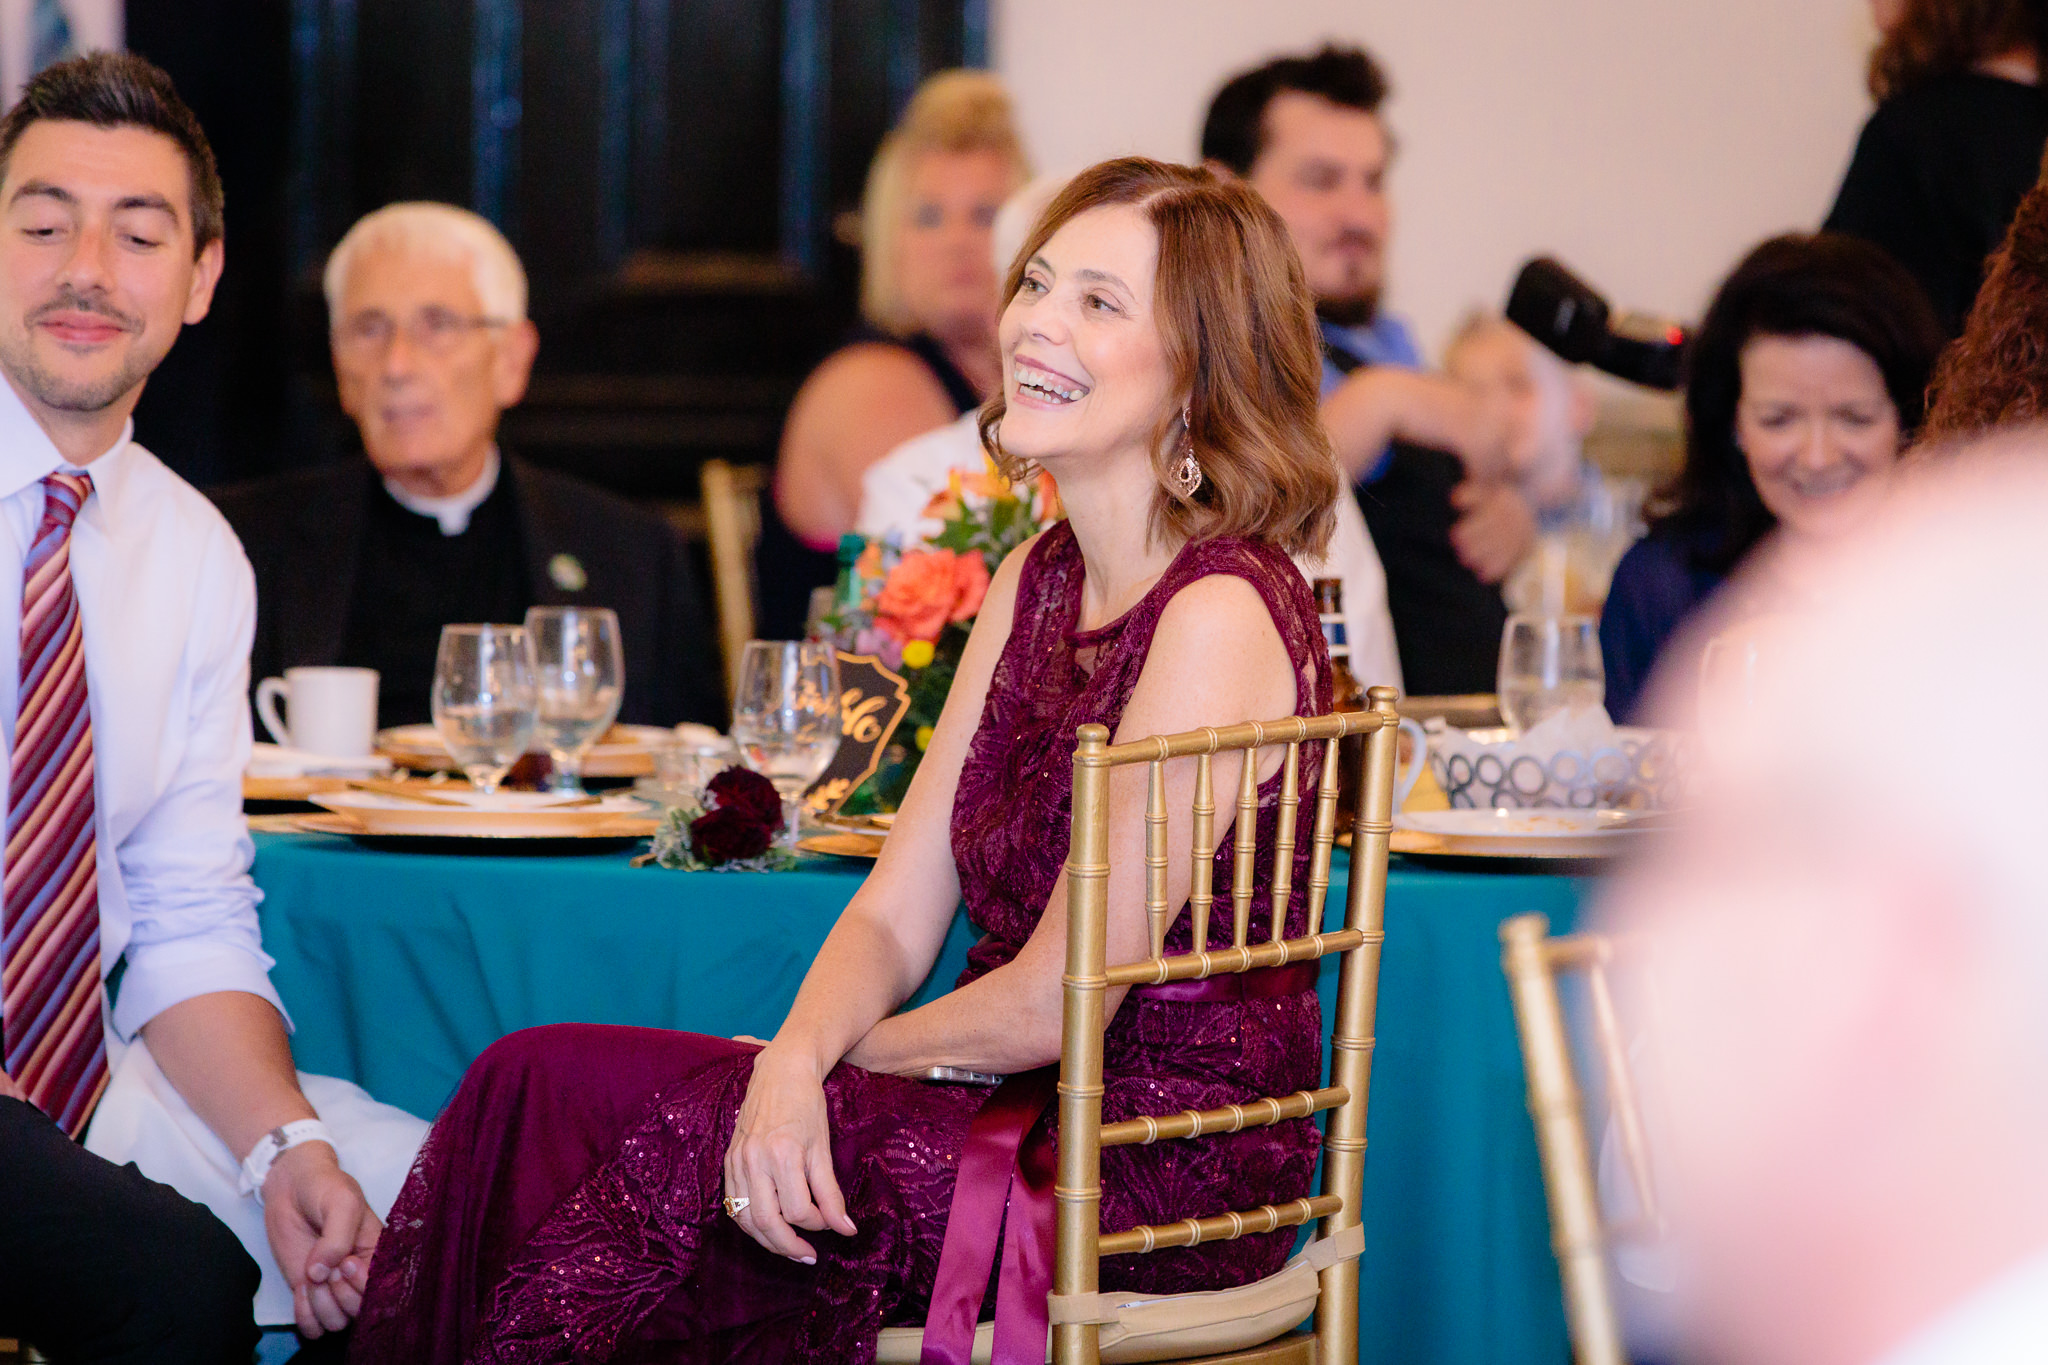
(1568, 315)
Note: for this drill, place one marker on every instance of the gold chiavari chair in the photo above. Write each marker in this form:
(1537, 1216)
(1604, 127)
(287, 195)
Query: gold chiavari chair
(1532, 961)
(1256, 1322)
(732, 527)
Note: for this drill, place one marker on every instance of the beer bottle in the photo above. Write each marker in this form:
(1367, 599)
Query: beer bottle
(1346, 694)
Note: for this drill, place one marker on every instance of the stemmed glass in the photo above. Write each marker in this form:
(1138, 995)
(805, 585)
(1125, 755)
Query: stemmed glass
(1549, 664)
(483, 699)
(579, 676)
(785, 715)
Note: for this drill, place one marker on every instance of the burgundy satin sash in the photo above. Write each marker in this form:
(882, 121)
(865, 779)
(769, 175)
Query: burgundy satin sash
(1007, 1166)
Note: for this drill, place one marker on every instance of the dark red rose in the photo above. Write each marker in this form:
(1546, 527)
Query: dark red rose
(728, 834)
(743, 789)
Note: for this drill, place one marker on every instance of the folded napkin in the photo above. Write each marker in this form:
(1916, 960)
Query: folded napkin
(1575, 758)
(275, 760)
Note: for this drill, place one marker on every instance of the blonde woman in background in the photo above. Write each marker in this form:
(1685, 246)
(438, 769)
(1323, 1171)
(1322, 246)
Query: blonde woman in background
(926, 350)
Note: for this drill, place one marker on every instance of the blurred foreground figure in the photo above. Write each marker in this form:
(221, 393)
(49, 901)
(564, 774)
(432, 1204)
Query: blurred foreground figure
(1852, 939)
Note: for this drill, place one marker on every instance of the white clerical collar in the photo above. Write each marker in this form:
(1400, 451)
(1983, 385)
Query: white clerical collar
(452, 511)
(2004, 1323)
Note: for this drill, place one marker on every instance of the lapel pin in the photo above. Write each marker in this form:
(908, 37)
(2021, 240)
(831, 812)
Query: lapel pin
(567, 572)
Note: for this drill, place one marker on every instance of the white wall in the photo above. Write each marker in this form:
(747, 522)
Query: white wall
(1646, 142)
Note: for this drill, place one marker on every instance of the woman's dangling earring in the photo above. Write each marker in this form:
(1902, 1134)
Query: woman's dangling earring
(1187, 476)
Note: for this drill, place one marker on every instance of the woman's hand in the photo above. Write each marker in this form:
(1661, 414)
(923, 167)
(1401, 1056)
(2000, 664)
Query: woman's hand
(780, 1159)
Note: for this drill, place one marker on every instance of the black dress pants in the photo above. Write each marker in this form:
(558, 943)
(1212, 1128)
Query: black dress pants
(100, 1265)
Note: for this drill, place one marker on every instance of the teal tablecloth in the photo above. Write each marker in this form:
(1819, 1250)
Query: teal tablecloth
(399, 968)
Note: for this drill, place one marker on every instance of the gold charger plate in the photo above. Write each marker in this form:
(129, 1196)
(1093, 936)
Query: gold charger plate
(625, 750)
(462, 811)
(842, 845)
(1416, 844)
(1522, 836)
(598, 838)
(290, 788)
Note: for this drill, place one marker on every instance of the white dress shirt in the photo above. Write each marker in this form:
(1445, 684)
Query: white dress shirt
(168, 605)
(896, 489)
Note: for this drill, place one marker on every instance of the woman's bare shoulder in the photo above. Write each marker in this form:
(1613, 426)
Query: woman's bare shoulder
(1216, 641)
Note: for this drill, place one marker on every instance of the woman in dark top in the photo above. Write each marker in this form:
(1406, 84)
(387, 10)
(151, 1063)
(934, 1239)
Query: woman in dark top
(1806, 380)
(926, 352)
(1955, 141)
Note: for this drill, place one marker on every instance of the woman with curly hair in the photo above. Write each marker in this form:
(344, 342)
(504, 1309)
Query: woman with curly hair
(1956, 139)
(1997, 373)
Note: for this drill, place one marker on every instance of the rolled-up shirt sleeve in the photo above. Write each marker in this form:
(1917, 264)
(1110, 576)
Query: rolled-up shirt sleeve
(185, 865)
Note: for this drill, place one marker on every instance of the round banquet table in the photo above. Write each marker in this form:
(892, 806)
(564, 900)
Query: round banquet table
(399, 968)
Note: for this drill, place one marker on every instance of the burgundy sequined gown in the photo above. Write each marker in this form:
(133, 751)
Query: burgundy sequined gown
(566, 1207)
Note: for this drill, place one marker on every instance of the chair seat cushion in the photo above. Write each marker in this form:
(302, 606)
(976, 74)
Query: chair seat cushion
(1143, 1327)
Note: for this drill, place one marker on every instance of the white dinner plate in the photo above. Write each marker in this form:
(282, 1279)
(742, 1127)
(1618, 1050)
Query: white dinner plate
(627, 750)
(533, 815)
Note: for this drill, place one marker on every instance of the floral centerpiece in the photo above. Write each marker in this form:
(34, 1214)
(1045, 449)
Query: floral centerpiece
(917, 603)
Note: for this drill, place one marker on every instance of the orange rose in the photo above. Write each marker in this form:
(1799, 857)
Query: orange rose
(928, 588)
(970, 585)
(917, 597)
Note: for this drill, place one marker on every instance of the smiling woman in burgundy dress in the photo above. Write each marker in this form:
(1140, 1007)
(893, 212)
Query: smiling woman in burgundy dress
(610, 1194)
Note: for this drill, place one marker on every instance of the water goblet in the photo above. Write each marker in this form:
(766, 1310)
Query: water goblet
(1549, 664)
(483, 699)
(786, 715)
(579, 679)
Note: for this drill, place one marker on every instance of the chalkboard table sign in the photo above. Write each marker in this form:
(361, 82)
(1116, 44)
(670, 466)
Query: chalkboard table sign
(872, 700)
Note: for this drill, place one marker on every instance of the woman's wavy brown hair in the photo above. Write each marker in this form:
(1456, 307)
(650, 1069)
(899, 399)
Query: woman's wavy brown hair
(1996, 373)
(1948, 37)
(1238, 325)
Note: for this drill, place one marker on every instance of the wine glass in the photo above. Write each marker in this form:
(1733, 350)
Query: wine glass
(1549, 664)
(579, 678)
(785, 715)
(483, 699)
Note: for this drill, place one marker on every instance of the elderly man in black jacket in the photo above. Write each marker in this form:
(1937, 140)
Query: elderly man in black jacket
(364, 561)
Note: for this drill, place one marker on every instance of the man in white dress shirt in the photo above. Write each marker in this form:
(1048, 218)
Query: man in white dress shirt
(124, 806)
(1850, 940)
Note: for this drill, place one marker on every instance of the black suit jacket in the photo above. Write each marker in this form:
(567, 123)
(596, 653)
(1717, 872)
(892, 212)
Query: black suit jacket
(303, 532)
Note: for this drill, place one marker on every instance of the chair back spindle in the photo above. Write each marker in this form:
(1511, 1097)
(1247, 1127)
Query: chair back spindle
(1202, 892)
(1245, 835)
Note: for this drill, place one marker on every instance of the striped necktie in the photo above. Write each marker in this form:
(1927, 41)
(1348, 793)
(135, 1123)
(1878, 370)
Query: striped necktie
(54, 1046)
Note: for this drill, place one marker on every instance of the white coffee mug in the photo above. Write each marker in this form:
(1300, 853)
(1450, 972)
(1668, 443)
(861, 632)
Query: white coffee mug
(332, 710)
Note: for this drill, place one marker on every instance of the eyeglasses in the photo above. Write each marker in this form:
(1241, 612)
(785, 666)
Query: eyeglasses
(433, 330)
